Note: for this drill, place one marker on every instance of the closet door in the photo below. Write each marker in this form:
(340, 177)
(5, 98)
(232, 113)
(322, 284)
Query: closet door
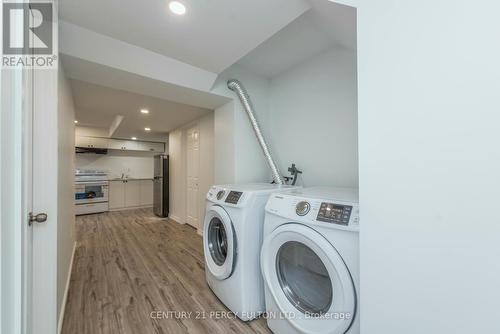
(193, 166)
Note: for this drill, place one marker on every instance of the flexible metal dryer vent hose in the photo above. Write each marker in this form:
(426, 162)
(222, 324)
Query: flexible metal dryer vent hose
(240, 90)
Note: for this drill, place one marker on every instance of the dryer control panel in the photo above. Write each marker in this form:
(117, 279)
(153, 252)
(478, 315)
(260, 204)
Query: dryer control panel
(338, 209)
(334, 213)
(233, 197)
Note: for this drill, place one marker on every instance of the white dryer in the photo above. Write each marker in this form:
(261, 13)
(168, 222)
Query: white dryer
(310, 261)
(232, 237)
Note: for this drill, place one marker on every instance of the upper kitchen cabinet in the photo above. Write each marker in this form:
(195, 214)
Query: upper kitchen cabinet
(134, 145)
(119, 144)
(150, 146)
(91, 142)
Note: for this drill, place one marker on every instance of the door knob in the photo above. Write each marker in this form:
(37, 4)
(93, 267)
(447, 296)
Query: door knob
(39, 218)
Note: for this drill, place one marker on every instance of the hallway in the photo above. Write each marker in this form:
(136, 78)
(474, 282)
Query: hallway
(129, 264)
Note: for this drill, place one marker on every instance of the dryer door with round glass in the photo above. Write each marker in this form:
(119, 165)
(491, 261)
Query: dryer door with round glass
(308, 280)
(219, 242)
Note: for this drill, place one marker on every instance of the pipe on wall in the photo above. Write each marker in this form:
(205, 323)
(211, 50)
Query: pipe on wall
(240, 90)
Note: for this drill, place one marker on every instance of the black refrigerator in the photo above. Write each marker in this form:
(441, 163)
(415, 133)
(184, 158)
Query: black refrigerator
(160, 185)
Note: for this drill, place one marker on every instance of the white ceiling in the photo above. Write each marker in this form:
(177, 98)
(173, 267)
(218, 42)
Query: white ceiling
(97, 106)
(83, 70)
(273, 34)
(212, 35)
(324, 26)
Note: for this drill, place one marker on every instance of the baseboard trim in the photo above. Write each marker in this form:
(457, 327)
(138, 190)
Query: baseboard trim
(176, 219)
(65, 297)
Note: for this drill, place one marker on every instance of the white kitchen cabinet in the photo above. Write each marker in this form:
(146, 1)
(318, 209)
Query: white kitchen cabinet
(150, 146)
(146, 189)
(119, 144)
(116, 195)
(157, 147)
(132, 193)
(141, 146)
(98, 142)
(81, 141)
(91, 142)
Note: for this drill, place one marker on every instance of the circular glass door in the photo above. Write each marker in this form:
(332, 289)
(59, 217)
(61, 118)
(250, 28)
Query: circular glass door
(219, 242)
(308, 280)
(304, 278)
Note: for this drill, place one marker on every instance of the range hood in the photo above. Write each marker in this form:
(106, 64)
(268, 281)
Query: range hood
(91, 150)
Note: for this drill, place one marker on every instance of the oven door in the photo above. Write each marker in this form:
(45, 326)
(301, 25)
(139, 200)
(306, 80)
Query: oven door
(91, 192)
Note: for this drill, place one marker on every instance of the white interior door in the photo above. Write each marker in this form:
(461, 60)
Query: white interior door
(16, 184)
(28, 185)
(44, 192)
(193, 168)
(28, 107)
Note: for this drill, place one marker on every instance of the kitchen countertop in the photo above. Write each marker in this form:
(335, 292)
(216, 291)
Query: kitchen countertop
(131, 179)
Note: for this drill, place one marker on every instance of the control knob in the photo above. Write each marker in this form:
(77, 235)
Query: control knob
(302, 208)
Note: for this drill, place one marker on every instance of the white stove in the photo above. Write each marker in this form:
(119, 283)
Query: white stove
(91, 191)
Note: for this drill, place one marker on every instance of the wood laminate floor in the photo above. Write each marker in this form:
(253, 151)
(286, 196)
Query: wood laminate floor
(129, 264)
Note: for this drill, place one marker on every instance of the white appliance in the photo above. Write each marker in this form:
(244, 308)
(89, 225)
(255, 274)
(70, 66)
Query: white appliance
(91, 191)
(310, 261)
(232, 237)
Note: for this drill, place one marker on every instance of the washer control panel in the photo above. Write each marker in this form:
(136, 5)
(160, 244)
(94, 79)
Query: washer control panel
(334, 213)
(233, 197)
(302, 208)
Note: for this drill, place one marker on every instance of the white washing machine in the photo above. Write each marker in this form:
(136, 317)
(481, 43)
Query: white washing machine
(310, 261)
(232, 237)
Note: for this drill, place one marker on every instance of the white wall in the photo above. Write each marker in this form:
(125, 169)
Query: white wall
(244, 155)
(224, 151)
(429, 82)
(313, 119)
(308, 115)
(65, 185)
(178, 177)
(135, 164)
(91, 131)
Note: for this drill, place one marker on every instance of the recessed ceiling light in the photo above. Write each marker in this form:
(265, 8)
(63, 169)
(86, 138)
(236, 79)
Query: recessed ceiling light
(177, 8)
(144, 111)
(134, 138)
(147, 129)
(75, 121)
